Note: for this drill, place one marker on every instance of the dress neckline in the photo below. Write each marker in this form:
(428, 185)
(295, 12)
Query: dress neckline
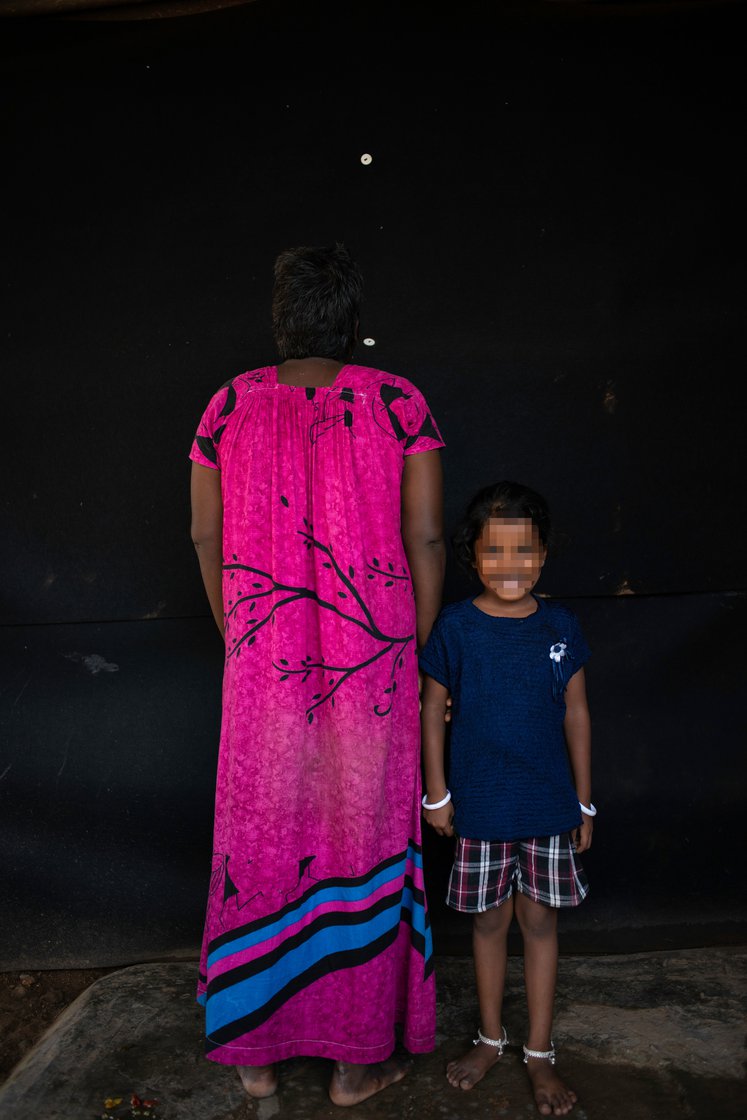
(508, 617)
(332, 385)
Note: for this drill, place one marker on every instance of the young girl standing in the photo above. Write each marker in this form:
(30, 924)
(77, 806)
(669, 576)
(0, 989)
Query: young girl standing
(513, 666)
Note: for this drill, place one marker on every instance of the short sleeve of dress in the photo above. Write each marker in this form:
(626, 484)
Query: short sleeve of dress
(414, 420)
(569, 652)
(434, 658)
(577, 643)
(206, 444)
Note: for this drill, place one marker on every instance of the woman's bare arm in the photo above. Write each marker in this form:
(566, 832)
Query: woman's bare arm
(207, 535)
(423, 535)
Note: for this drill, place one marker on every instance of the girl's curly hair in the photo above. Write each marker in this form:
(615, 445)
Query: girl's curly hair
(509, 499)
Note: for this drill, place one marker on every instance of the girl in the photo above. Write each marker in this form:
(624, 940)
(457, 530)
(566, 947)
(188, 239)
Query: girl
(513, 667)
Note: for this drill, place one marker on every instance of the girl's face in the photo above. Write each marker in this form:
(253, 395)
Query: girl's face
(509, 556)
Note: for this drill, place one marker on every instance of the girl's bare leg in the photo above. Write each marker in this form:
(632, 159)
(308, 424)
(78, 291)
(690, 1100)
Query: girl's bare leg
(352, 1084)
(539, 928)
(259, 1081)
(489, 933)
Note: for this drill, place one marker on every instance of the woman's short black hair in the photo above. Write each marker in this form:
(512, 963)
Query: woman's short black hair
(500, 499)
(316, 302)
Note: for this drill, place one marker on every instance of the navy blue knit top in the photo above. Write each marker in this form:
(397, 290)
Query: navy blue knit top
(508, 769)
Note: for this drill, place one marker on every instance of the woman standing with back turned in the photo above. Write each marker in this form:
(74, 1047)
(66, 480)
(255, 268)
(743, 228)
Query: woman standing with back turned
(317, 519)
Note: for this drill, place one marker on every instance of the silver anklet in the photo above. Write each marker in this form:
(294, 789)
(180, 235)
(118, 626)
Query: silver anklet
(499, 1043)
(548, 1055)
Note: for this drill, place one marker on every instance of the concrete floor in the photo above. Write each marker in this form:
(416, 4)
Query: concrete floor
(643, 1036)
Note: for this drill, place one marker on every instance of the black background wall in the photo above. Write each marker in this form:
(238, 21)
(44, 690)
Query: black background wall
(552, 235)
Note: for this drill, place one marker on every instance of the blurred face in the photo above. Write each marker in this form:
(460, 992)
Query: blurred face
(509, 556)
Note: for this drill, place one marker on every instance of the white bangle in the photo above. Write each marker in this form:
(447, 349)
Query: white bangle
(436, 804)
(588, 810)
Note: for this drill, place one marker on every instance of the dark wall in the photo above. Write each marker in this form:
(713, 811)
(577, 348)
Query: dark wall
(552, 235)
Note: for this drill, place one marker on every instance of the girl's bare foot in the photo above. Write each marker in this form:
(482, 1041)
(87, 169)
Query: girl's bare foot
(466, 1071)
(472, 1067)
(551, 1095)
(259, 1081)
(352, 1084)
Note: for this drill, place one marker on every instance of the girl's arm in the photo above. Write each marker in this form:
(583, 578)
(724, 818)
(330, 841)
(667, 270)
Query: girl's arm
(433, 735)
(422, 536)
(207, 535)
(577, 728)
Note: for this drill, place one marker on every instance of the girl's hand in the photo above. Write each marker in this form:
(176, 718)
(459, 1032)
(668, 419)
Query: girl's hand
(582, 835)
(440, 819)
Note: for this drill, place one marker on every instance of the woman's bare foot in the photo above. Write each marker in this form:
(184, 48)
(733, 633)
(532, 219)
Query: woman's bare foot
(352, 1084)
(259, 1081)
(466, 1071)
(551, 1095)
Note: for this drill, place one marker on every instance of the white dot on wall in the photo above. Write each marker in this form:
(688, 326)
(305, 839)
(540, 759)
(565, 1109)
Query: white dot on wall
(369, 341)
(366, 159)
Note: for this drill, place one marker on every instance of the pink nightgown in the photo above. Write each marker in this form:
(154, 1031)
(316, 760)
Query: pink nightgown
(317, 938)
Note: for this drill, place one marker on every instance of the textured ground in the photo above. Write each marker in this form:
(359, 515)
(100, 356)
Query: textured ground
(642, 1036)
(31, 1001)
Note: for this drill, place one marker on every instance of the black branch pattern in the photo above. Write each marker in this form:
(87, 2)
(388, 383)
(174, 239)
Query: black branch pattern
(267, 590)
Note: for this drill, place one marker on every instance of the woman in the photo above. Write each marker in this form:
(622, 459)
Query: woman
(317, 519)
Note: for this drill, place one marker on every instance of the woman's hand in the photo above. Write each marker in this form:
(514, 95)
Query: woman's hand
(582, 835)
(447, 705)
(440, 819)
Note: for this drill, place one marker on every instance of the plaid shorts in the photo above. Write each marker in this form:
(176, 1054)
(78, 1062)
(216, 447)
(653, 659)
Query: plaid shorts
(545, 868)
